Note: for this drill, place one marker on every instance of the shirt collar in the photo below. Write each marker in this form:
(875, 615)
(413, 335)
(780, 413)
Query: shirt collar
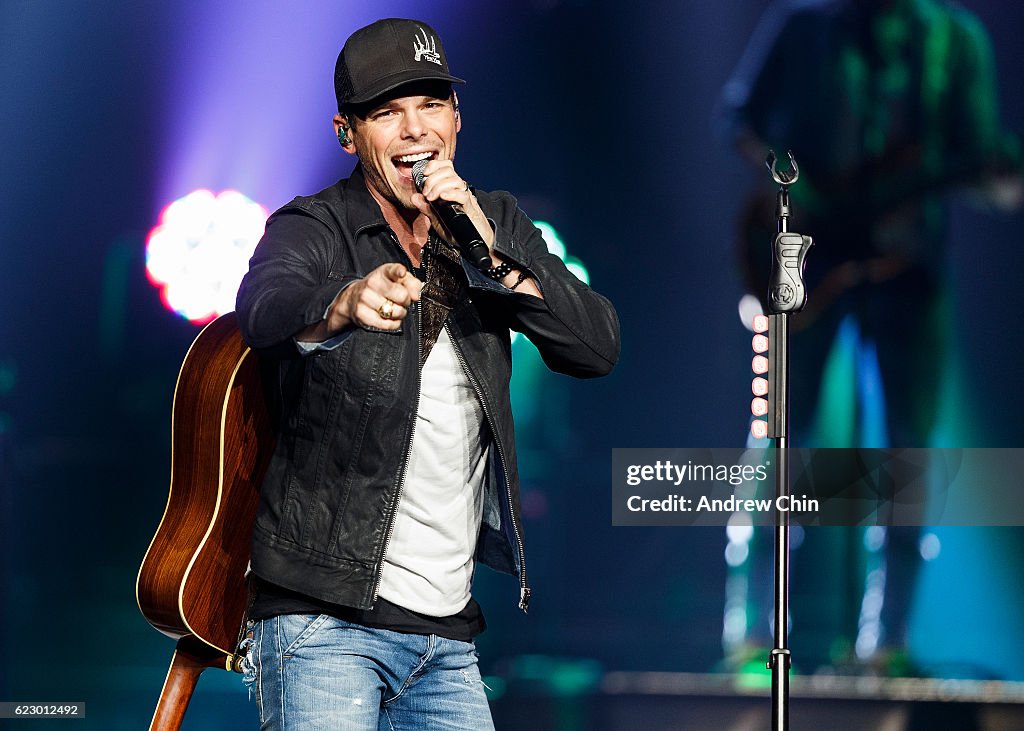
(363, 212)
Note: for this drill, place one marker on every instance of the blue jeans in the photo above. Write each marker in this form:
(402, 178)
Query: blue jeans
(314, 673)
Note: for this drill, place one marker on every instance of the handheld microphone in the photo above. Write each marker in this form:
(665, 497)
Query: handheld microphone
(468, 239)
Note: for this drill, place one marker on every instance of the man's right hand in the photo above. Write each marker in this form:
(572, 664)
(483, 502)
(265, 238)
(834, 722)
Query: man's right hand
(379, 300)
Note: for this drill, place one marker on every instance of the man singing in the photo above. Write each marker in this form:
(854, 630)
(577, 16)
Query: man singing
(395, 467)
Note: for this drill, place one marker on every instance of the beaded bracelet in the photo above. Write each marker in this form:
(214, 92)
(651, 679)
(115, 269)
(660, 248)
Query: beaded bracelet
(499, 272)
(522, 278)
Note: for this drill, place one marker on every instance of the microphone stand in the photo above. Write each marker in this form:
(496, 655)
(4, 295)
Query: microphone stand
(786, 295)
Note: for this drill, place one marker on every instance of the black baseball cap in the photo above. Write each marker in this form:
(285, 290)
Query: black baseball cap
(386, 54)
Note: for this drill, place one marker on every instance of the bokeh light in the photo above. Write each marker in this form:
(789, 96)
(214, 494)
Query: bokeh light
(200, 250)
(557, 247)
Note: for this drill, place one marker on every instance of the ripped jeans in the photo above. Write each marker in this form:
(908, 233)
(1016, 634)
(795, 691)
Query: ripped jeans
(318, 673)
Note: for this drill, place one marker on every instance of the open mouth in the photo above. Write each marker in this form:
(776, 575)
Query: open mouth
(404, 163)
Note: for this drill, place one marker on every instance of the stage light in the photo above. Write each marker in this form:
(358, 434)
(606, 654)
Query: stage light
(874, 538)
(554, 242)
(749, 307)
(575, 266)
(930, 546)
(736, 553)
(200, 250)
(557, 247)
(734, 629)
(739, 528)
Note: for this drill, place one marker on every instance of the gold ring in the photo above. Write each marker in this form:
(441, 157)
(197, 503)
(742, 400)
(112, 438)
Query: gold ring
(386, 310)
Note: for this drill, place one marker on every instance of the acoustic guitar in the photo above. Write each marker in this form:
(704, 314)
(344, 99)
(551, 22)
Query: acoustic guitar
(192, 582)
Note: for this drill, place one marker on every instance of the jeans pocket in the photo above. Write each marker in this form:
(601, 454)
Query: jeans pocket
(297, 629)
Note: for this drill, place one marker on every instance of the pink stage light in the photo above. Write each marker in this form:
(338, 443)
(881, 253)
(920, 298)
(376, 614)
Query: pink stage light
(200, 250)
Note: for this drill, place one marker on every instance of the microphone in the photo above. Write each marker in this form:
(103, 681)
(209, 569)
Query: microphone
(468, 239)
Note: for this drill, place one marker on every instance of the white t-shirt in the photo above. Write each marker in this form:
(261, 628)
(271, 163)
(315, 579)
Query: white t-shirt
(428, 567)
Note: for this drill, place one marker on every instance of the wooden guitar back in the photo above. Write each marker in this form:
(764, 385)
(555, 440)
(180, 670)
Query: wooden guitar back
(192, 580)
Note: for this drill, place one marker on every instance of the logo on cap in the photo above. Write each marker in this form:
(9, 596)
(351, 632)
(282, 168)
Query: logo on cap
(426, 48)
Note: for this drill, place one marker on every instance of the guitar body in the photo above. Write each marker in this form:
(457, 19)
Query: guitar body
(191, 585)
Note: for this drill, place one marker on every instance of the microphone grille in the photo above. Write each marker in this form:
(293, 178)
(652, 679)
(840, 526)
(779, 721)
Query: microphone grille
(417, 174)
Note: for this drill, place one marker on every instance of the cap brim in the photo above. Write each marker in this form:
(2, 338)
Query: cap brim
(390, 83)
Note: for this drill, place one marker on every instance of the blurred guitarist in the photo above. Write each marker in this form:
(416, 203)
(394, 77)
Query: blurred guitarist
(888, 105)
